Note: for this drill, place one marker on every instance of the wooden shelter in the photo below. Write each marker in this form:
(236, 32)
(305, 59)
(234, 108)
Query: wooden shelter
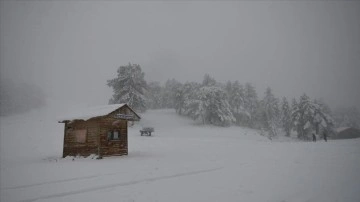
(101, 130)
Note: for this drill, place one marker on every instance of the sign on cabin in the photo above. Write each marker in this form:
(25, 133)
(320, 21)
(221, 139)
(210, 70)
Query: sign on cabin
(124, 116)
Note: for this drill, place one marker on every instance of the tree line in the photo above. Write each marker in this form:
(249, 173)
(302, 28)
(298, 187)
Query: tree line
(233, 103)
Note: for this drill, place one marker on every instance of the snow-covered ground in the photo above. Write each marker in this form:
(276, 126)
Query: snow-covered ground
(181, 162)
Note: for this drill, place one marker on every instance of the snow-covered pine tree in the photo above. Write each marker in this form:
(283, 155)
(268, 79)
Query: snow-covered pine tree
(209, 102)
(251, 103)
(302, 116)
(228, 89)
(196, 109)
(271, 112)
(190, 98)
(237, 103)
(179, 101)
(237, 98)
(286, 120)
(168, 96)
(294, 118)
(208, 80)
(311, 117)
(129, 87)
(154, 95)
(347, 117)
(184, 94)
(322, 118)
(214, 107)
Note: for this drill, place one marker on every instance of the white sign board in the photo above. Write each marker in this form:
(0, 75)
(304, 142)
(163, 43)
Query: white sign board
(124, 116)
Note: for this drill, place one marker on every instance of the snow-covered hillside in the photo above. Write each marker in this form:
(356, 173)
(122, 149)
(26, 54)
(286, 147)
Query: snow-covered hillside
(181, 162)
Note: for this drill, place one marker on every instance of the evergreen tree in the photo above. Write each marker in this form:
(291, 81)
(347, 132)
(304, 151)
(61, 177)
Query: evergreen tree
(185, 94)
(311, 117)
(154, 95)
(129, 87)
(302, 115)
(169, 93)
(190, 97)
(179, 100)
(237, 103)
(322, 118)
(208, 80)
(294, 108)
(237, 97)
(347, 117)
(286, 121)
(251, 104)
(271, 112)
(214, 107)
(228, 89)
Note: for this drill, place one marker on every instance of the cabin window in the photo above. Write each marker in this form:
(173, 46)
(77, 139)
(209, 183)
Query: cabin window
(113, 135)
(80, 136)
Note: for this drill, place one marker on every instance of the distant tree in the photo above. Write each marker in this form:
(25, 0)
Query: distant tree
(322, 117)
(169, 94)
(302, 116)
(190, 90)
(212, 106)
(194, 107)
(271, 112)
(185, 93)
(309, 116)
(294, 118)
(251, 103)
(228, 89)
(286, 120)
(208, 80)
(347, 117)
(237, 103)
(179, 100)
(129, 87)
(237, 97)
(154, 95)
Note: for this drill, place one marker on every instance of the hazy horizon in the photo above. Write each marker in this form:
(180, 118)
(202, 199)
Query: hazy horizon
(70, 49)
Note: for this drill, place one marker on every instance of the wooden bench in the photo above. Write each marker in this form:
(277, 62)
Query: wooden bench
(146, 131)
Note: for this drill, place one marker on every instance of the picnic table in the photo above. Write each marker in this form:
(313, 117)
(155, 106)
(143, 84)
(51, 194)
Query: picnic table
(146, 131)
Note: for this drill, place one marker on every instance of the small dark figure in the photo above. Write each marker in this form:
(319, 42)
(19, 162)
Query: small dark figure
(325, 136)
(314, 137)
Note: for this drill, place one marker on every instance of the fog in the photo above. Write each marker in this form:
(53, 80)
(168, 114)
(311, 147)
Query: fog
(70, 49)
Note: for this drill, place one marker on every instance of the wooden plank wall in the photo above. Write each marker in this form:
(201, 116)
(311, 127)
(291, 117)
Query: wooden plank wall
(73, 148)
(113, 147)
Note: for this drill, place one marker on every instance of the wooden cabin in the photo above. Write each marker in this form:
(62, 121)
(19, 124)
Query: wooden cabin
(101, 130)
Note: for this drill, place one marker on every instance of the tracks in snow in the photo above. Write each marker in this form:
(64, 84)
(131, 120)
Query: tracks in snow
(58, 181)
(109, 185)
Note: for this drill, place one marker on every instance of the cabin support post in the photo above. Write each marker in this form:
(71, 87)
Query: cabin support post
(65, 126)
(99, 143)
(127, 138)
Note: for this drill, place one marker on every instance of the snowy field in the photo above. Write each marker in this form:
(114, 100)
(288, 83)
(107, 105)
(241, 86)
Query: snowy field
(181, 162)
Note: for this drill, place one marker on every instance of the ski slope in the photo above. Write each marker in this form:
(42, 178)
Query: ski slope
(183, 161)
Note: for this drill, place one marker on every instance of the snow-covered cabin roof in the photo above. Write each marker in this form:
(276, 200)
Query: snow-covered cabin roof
(92, 112)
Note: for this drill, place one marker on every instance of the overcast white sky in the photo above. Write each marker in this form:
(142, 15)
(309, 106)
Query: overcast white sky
(72, 48)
